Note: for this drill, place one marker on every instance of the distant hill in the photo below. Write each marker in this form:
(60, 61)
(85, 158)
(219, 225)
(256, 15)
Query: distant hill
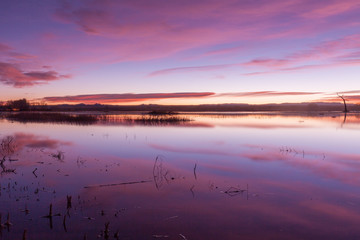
(229, 107)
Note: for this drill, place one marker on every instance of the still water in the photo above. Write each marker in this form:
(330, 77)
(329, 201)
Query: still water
(229, 176)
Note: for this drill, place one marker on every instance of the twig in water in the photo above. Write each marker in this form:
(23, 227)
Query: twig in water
(195, 170)
(106, 231)
(115, 184)
(50, 216)
(8, 223)
(68, 200)
(158, 172)
(34, 172)
(247, 191)
(160, 236)
(26, 210)
(233, 191)
(24, 234)
(1, 227)
(171, 218)
(117, 235)
(64, 223)
(182, 236)
(192, 191)
(59, 155)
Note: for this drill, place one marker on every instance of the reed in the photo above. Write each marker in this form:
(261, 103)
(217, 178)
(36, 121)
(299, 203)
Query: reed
(160, 120)
(80, 119)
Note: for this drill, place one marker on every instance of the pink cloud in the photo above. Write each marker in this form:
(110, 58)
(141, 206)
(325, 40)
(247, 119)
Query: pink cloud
(190, 69)
(7, 53)
(161, 29)
(350, 98)
(4, 48)
(265, 94)
(20, 55)
(125, 97)
(223, 51)
(267, 62)
(332, 52)
(331, 8)
(11, 74)
(326, 54)
(348, 92)
(12, 69)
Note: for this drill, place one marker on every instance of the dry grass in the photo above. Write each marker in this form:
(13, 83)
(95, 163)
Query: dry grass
(81, 119)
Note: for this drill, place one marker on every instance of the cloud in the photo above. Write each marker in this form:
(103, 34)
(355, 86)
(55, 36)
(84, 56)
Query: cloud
(326, 54)
(131, 97)
(141, 30)
(20, 56)
(223, 51)
(267, 62)
(190, 69)
(331, 9)
(265, 94)
(348, 92)
(334, 53)
(6, 52)
(11, 74)
(4, 48)
(349, 98)
(125, 97)
(352, 96)
(118, 18)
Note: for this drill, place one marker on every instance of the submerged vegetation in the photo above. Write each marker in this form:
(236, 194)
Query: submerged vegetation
(87, 119)
(99, 182)
(149, 119)
(160, 119)
(52, 118)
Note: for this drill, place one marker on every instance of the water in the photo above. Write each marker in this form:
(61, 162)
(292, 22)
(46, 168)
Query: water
(229, 176)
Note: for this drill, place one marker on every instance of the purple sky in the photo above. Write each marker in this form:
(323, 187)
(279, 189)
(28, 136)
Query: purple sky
(179, 51)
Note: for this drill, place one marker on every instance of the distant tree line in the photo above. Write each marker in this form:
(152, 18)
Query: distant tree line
(17, 105)
(22, 105)
(25, 105)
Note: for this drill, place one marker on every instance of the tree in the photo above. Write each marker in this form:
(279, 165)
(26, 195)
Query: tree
(20, 105)
(344, 100)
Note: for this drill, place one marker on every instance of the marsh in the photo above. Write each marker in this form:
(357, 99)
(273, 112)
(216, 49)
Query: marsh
(228, 176)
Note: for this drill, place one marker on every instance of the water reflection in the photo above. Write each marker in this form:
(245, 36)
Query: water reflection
(245, 177)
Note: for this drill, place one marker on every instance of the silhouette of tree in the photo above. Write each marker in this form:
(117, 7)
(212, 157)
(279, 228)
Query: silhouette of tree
(20, 105)
(344, 100)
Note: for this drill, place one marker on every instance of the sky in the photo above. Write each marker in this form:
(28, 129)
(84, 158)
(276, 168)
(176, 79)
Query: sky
(179, 51)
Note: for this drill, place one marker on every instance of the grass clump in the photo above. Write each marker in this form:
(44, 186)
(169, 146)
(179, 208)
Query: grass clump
(80, 119)
(155, 120)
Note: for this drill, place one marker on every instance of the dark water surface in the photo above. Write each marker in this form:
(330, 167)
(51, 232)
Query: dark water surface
(253, 176)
